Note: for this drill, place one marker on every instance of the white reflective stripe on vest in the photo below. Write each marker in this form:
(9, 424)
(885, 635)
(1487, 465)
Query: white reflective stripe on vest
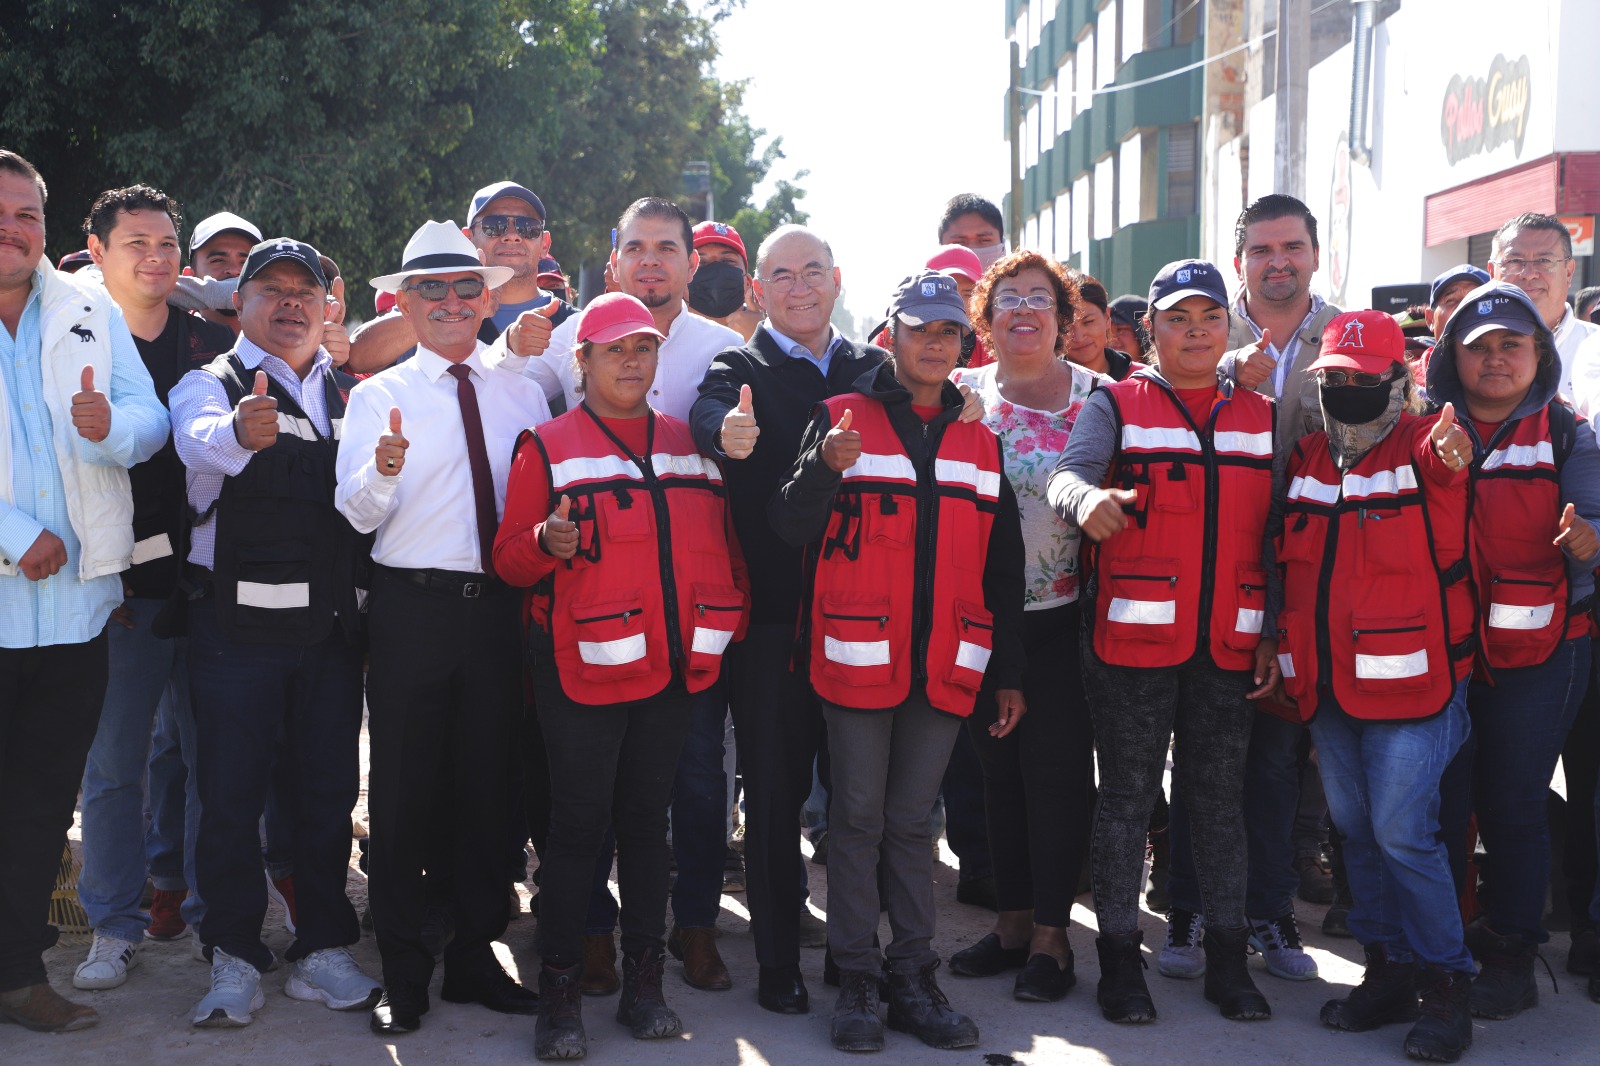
(1309, 488)
(684, 466)
(1249, 621)
(613, 652)
(711, 641)
(296, 427)
(273, 597)
(956, 472)
(1229, 440)
(1510, 616)
(1160, 437)
(897, 467)
(1521, 455)
(1143, 612)
(592, 468)
(1392, 667)
(156, 547)
(1286, 664)
(974, 657)
(336, 427)
(856, 652)
(1384, 481)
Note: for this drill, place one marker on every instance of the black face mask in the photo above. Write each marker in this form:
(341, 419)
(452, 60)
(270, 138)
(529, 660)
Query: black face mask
(1355, 405)
(717, 289)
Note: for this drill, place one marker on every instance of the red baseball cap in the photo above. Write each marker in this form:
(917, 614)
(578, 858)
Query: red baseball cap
(1364, 341)
(957, 259)
(720, 233)
(616, 314)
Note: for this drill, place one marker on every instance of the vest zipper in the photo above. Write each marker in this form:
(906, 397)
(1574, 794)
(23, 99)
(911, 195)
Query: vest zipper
(1171, 580)
(1521, 581)
(1358, 633)
(625, 615)
(881, 619)
(704, 607)
(968, 622)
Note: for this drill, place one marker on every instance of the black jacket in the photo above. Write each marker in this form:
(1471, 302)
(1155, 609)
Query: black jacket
(783, 390)
(799, 510)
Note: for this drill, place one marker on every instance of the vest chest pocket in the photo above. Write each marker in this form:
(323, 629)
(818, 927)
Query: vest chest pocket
(717, 612)
(1388, 538)
(1251, 596)
(974, 645)
(625, 515)
(1522, 605)
(612, 637)
(274, 585)
(1143, 602)
(1391, 653)
(1175, 489)
(890, 520)
(855, 640)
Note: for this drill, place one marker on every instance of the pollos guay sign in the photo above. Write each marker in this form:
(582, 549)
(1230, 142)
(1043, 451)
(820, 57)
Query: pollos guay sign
(1480, 114)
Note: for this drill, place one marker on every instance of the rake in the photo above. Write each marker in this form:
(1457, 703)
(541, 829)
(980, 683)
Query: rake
(66, 912)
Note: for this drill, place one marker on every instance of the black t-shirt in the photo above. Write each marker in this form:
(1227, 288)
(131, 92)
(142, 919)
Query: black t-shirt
(187, 343)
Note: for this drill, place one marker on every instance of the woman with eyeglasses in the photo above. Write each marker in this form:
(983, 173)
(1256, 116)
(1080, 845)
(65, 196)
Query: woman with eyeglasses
(1036, 806)
(619, 529)
(1375, 645)
(1535, 501)
(1169, 472)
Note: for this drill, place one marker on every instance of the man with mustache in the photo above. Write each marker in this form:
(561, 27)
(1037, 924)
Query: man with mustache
(275, 635)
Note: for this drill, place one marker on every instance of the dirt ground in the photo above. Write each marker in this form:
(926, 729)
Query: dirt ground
(147, 1019)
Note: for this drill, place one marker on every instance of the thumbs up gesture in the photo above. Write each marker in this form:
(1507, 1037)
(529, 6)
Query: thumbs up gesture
(739, 429)
(1257, 365)
(1102, 514)
(255, 419)
(559, 535)
(390, 455)
(842, 446)
(1577, 536)
(530, 333)
(335, 338)
(1450, 444)
(91, 410)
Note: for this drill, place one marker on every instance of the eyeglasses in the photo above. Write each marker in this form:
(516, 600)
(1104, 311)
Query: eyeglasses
(1529, 266)
(1338, 379)
(495, 226)
(433, 290)
(1010, 302)
(784, 280)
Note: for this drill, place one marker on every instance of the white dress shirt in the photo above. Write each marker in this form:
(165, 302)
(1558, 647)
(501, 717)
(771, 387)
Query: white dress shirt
(692, 342)
(1580, 362)
(425, 516)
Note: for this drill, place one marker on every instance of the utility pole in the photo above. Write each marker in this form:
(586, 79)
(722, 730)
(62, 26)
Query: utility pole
(1290, 76)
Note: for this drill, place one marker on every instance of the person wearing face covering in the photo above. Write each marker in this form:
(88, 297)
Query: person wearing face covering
(1376, 640)
(720, 289)
(1535, 502)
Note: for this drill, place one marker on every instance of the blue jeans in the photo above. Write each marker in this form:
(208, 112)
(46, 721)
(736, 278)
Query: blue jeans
(699, 814)
(245, 696)
(1272, 771)
(175, 796)
(1382, 782)
(146, 673)
(1518, 727)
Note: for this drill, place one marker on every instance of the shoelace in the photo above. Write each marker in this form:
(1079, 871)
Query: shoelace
(1184, 932)
(1279, 934)
(858, 994)
(108, 949)
(231, 977)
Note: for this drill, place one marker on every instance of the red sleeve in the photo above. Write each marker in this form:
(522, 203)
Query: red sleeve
(518, 558)
(1433, 468)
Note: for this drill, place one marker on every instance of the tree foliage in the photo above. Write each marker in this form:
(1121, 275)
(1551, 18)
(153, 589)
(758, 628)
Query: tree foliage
(348, 124)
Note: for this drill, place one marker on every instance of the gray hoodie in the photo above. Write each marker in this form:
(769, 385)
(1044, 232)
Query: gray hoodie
(1580, 473)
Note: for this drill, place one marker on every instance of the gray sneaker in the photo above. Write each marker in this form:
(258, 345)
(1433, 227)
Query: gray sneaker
(235, 993)
(331, 976)
(1183, 955)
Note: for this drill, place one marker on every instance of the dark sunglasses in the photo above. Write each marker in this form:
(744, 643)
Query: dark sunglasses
(434, 290)
(495, 226)
(1338, 379)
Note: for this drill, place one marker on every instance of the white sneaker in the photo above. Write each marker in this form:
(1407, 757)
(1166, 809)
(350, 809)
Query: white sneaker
(108, 963)
(331, 976)
(235, 993)
(1184, 954)
(1278, 940)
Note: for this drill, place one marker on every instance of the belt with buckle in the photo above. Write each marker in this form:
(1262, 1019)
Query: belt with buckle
(450, 582)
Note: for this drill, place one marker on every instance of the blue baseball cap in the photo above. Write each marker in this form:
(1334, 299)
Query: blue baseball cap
(1185, 278)
(1494, 306)
(929, 296)
(270, 251)
(483, 196)
(1459, 272)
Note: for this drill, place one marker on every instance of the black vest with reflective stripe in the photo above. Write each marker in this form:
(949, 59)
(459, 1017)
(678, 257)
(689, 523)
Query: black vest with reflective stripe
(287, 562)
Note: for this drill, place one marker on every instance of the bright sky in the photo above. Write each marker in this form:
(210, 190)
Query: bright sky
(893, 106)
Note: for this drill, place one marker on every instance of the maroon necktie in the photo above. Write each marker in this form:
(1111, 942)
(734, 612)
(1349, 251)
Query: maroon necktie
(478, 457)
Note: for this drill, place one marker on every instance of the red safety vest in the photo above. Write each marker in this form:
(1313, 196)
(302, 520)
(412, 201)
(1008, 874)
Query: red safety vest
(1377, 602)
(1185, 574)
(890, 536)
(1521, 574)
(652, 586)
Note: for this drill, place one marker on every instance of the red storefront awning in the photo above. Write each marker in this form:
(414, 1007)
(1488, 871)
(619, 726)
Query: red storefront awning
(1566, 184)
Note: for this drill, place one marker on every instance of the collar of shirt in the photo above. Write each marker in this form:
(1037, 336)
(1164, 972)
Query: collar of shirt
(433, 365)
(795, 350)
(253, 355)
(1285, 352)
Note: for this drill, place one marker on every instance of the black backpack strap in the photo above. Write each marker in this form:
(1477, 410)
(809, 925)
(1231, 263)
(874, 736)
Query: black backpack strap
(1563, 431)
